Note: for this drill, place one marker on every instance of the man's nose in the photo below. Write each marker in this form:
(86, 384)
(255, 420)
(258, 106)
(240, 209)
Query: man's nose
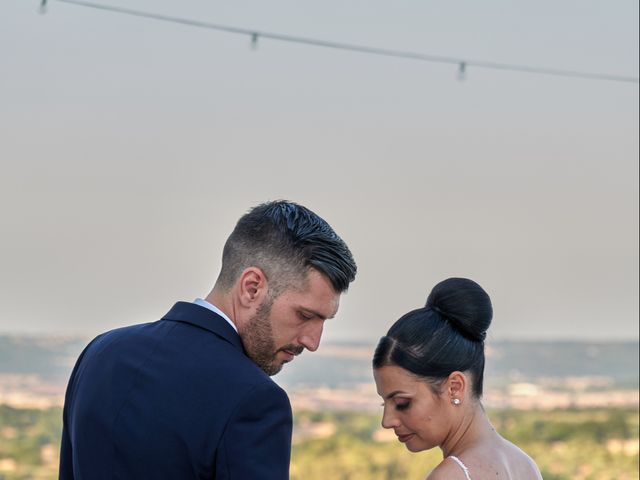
(310, 338)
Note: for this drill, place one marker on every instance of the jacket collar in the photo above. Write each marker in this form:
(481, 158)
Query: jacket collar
(204, 318)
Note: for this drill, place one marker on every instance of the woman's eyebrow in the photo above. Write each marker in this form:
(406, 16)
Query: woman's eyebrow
(393, 394)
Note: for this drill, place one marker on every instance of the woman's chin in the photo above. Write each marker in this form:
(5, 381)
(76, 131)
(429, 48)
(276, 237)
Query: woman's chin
(412, 447)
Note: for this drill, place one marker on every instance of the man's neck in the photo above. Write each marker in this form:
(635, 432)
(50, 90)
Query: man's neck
(222, 300)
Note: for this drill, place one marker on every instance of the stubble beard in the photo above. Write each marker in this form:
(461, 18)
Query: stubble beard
(258, 340)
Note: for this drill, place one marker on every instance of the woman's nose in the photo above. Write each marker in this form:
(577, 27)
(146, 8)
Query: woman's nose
(389, 420)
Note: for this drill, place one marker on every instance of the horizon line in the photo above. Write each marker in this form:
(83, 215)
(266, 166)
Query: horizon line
(355, 340)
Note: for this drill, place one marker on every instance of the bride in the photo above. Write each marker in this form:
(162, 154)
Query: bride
(429, 372)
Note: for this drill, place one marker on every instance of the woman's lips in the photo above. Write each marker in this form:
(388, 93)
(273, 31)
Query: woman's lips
(405, 438)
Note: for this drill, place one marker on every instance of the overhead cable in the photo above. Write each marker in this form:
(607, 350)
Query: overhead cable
(463, 64)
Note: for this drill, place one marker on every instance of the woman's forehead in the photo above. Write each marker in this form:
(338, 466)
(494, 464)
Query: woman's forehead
(392, 377)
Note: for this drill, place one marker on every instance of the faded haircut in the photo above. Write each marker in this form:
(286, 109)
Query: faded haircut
(285, 240)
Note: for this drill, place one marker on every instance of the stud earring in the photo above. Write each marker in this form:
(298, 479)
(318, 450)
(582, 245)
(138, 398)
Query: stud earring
(456, 401)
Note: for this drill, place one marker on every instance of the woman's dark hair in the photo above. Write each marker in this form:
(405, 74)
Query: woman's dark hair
(446, 335)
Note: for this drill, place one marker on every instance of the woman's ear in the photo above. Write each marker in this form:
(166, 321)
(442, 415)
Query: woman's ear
(252, 287)
(456, 387)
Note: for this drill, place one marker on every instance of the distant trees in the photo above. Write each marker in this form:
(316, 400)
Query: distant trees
(567, 445)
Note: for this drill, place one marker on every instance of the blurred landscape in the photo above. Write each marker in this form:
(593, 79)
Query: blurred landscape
(572, 405)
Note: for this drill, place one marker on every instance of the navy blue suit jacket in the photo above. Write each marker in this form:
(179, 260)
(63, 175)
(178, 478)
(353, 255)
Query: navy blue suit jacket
(174, 399)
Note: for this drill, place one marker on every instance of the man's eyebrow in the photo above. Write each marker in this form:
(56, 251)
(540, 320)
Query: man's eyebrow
(317, 314)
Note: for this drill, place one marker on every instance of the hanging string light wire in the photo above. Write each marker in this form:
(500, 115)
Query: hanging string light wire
(463, 64)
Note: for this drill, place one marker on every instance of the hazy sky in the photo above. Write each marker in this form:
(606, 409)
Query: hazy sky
(130, 147)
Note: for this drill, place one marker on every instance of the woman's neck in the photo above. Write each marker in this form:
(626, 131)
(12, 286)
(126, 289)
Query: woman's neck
(472, 429)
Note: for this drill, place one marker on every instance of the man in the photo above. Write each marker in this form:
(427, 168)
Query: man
(189, 396)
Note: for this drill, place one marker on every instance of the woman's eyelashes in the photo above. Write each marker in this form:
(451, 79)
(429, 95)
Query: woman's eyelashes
(400, 405)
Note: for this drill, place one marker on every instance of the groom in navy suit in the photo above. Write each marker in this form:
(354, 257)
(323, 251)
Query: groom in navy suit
(190, 396)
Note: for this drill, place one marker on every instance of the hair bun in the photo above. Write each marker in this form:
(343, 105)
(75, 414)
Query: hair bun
(464, 304)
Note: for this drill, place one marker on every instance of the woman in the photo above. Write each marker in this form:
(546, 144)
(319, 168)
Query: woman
(429, 371)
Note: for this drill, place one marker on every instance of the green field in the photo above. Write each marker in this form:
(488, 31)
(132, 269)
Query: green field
(593, 444)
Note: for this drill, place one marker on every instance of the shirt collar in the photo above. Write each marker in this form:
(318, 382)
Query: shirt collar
(214, 309)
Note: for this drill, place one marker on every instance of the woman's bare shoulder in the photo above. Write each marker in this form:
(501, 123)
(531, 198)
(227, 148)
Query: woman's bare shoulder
(447, 469)
(522, 465)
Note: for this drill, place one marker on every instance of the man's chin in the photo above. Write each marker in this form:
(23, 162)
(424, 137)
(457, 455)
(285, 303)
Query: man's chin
(273, 369)
(277, 362)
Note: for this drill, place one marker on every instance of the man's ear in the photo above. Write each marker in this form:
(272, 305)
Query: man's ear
(456, 387)
(252, 287)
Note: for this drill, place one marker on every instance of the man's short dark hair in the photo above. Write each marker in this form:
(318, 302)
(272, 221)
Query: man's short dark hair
(285, 240)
